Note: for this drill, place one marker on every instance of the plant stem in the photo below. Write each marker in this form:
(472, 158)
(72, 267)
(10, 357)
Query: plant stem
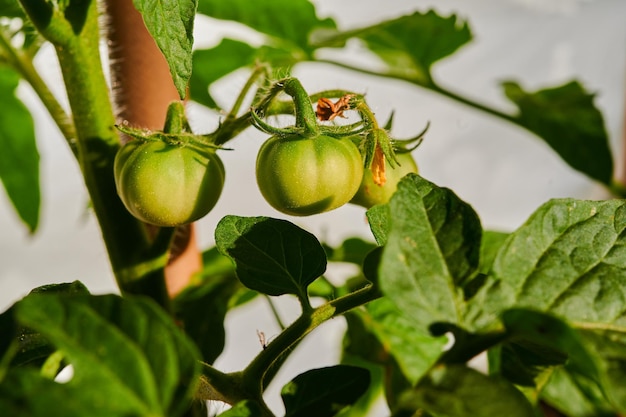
(430, 85)
(135, 265)
(305, 116)
(256, 73)
(255, 373)
(23, 63)
(279, 321)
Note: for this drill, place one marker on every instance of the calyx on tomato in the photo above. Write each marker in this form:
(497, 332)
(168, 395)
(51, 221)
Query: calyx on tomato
(305, 170)
(168, 178)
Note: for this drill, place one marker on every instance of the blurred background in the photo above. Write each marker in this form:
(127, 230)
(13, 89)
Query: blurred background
(504, 172)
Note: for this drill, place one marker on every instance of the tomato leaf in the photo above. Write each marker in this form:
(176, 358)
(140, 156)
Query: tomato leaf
(288, 23)
(310, 394)
(209, 65)
(32, 346)
(609, 346)
(19, 159)
(271, 256)
(432, 250)
(458, 391)
(11, 8)
(128, 356)
(567, 259)
(575, 396)
(567, 119)
(411, 44)
(551, 339)
(378, 219)
(352, 250)
(170, 22)
(413, 348)
(490, 244)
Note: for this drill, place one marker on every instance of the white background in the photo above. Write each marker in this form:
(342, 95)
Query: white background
(504, 172)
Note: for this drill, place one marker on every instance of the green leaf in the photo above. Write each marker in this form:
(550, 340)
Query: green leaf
(288, 22)
(129, 358)
(325, 391)
(432, 249)
(551, 339)
(567, 119)
(203, 307)
(170, 22)
(411, 44)
(609, 346)
(413, 348)
(271, 256)
(378, 219)
(369, 399)
(568, 259)
(490, 245)
(11, 8)
(209, 65)
(19, 159)
(575, 396)
(352, 250)
(30, 346)
(458, 391)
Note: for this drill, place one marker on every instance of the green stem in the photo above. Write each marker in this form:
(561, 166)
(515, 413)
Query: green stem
(256, 73)
(23, 63)
(305, 115)
(430, 84)
(490, 110)
(279, 321)
(135, 265)
(254, 374)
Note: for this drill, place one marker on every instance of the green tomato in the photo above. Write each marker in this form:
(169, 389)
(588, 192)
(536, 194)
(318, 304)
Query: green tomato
(304, 176)
(370, 193)
(166, 184)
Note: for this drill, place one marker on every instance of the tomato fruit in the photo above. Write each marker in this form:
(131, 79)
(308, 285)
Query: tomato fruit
(370, 193)
(302, 176)
(167, 184)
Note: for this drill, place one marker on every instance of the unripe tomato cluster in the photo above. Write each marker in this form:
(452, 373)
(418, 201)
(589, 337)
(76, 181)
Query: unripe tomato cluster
(174, 177)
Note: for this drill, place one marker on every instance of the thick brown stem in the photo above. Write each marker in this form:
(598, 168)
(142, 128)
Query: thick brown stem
(143, 89)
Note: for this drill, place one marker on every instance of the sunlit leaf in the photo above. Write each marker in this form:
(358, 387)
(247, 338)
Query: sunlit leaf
(288, 22)
(432, 249)
(567, 259)
(170, 22)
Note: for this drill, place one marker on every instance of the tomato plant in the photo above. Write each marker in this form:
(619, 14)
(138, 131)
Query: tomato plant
(431, 289)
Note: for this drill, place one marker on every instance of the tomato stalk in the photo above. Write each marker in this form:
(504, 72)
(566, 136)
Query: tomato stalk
(75, 35)
(256, 375)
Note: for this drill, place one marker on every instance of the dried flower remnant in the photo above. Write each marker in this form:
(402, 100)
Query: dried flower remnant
(327, 110)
